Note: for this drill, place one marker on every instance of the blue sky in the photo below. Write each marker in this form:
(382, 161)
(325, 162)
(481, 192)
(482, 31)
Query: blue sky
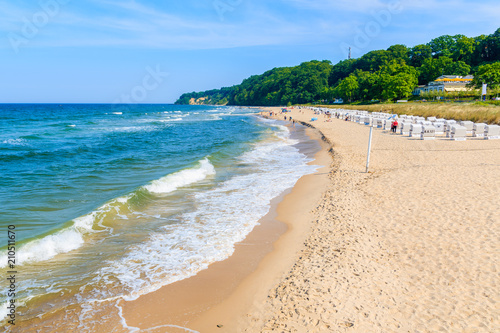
(145, 51)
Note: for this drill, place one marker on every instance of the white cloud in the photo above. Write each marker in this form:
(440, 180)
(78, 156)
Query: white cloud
(133, 24)
(252, 23)
(361, 6)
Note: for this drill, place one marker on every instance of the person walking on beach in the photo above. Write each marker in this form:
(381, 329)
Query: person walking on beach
(394, 125)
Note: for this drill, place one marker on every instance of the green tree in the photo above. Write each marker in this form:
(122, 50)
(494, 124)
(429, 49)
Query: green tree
(341, 70)
(433, 68)
(374, 60)
(418, 54)
(479, 52)
(397, 80)
(369, 87)
(399, 51)
(458, 68)
(489, 74)
(442, 46)
(464, 49)
(348, 87)
(492, 47)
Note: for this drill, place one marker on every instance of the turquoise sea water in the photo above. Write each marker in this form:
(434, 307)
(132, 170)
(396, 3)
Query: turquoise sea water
(113, 202)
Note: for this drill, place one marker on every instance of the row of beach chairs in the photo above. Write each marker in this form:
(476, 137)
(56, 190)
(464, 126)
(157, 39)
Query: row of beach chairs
(417, 127)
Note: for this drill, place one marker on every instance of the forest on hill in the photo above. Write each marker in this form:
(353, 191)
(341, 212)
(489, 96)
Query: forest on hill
(378, 75)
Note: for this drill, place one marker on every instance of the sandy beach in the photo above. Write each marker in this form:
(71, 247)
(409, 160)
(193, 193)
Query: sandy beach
(411, 246)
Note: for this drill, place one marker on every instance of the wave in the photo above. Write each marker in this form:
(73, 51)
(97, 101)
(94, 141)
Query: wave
(73, 237)
(182, 178)
(171, 120)
(129, 129)
(70, 238)
(15, 142)
(223, 217)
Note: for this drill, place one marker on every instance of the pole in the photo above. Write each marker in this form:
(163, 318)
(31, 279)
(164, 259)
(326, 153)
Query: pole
(369, 149)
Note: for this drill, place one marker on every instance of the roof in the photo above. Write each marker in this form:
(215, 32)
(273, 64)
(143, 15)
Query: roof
(453, 80)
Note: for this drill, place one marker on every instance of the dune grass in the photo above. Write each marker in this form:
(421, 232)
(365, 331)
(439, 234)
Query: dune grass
(476, 112)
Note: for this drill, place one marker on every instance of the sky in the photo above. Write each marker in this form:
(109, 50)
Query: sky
(146, 51)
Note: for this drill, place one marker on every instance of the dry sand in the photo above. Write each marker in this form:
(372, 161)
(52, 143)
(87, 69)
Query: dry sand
(413, 246)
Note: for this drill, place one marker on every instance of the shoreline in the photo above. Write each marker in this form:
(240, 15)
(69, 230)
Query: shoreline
(214, 296)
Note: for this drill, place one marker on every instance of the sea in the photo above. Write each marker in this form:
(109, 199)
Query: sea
(108, 202)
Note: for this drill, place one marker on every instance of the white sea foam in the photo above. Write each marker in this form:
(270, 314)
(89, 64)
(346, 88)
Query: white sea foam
(224, 216)
(4, 311)
(171, 120)
(130, 129)
(51, 245)
(117, 112)
(68, 239)
(15, 142)
(182, 178)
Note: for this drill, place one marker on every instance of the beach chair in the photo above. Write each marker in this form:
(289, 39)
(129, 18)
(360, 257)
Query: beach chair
(367, 120)
(405, 128)
(415, 130)
(458, 133)
(388, 124)
(439, 126)
(492, 132)
(447, 126)
(478, 130)
(469, 126)
(428, 132)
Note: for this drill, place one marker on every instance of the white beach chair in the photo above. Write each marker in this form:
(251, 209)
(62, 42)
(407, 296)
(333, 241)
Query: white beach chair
(492, 132)
(416, 130)
(428, 132)
(405, 128)
(469, 126)
(458, 133)
(439, 127)
(478, 130)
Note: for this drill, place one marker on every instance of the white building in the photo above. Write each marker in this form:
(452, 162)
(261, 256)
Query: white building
(446, 83)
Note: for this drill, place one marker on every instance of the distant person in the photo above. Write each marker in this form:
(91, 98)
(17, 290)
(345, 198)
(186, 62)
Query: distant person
(285, 117)
(394, 126)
